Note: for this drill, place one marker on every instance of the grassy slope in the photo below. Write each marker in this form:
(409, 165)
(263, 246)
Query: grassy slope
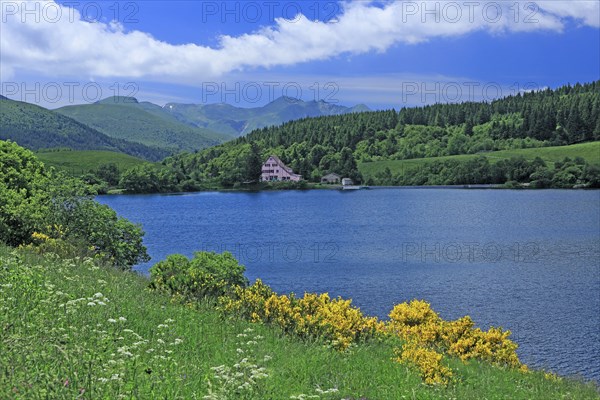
(79, 162)
(47, 352)
(134, 123)
(36, 128)
(588, 151)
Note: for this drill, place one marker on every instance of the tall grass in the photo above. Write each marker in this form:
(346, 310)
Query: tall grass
(72, 329)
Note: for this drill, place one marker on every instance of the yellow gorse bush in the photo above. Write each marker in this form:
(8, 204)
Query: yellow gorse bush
(428, 336)
(53, 241)
(427, 360)
(315, 316)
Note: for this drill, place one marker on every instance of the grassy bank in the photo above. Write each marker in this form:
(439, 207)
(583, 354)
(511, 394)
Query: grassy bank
(71, 329)
(588, 151)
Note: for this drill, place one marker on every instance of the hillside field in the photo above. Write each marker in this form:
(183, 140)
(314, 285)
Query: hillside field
(79, 162)
(588, 151)
(73, 329)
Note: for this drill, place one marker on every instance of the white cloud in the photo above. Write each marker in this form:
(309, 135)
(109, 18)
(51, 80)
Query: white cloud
(72, 47)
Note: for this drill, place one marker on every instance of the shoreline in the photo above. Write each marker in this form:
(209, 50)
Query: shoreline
(116, 192)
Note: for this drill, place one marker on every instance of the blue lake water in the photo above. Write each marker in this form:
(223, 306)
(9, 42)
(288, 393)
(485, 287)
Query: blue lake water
(528, 261)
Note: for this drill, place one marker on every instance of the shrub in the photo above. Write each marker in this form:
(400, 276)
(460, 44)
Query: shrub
(429, 336)
(427, 360)
(311, 317)
(207, 275)
(33, 199)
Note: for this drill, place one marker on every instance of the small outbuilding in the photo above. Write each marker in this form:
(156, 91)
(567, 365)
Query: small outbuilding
(331, 178)
(347, 182)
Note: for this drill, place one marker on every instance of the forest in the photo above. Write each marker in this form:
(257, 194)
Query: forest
(314, 147)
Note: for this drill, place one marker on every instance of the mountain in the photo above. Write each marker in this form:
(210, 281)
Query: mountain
(37, 128)
(143, 122)
(237, 121)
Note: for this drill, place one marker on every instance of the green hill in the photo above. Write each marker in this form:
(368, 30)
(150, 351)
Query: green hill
(37, 128)
(126, 118)
(588, 151)
(82, 161)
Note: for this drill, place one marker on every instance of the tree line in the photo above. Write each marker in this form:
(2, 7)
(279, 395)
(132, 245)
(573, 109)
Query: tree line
(314, 147)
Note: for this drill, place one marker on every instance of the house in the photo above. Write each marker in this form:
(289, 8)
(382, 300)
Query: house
(347, 182)
(274, 170)
(331, 178)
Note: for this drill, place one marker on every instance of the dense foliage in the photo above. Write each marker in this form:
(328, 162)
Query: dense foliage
(37, 128)
(316, 146)
(205, 275)
(39, 206)
(516, 170)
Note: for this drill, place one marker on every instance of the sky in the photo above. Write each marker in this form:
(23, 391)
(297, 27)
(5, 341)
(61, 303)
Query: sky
(247, 53)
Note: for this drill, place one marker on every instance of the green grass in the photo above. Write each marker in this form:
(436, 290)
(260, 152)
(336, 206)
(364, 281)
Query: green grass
(53, 345)
(133, 122)
(80, 162)
(589, 151)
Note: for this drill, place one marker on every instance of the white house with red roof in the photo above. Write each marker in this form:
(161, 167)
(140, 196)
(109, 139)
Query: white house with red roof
(274, 170)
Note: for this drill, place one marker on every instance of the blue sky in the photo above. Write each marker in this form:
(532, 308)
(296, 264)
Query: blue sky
(383, 54)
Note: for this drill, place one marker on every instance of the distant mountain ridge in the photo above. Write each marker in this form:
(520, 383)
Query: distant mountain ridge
(238, 121)
(189, 127)
(147, 130)
(38, 128)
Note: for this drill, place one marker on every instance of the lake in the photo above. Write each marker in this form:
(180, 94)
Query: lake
(528, 261)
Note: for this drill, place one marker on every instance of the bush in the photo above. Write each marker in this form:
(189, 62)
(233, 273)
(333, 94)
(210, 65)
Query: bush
(314, 316)
(429, 362)
(428, 337)
(111, 238)
(207, 275)
(34, 201)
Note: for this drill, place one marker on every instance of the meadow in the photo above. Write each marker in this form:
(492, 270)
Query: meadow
(79, 162)
(77, 329)
(588, 151)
